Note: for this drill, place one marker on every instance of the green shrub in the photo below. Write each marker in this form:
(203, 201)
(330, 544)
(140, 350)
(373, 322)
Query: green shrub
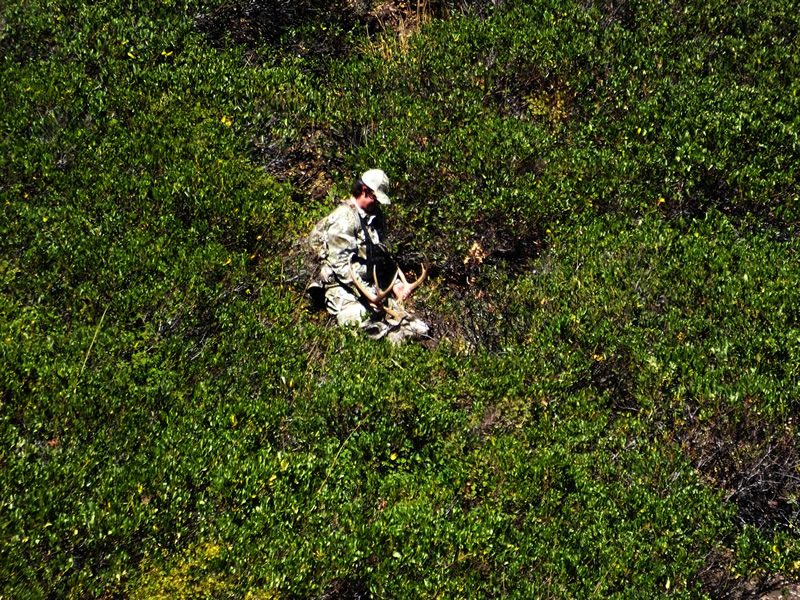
(608, 193)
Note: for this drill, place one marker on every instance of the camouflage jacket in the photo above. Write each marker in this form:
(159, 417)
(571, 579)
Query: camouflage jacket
(345, 240)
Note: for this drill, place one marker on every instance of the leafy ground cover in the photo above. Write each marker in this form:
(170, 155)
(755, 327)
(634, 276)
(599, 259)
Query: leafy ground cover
(609, 195)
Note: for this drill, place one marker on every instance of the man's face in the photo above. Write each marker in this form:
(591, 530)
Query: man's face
(367, 201)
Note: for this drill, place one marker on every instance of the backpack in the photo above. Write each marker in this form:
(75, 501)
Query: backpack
(313, 251)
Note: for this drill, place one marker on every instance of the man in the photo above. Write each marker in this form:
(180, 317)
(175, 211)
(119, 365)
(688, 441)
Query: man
(353, 248)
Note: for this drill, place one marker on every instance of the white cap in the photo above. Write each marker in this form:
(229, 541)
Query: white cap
(378, 182)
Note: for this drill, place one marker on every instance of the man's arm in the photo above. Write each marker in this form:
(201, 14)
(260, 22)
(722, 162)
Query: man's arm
(342, 244)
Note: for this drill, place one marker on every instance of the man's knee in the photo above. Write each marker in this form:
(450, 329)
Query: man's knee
(351, 313)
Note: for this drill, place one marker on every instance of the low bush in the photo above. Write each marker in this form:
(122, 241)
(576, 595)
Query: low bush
(608, 194)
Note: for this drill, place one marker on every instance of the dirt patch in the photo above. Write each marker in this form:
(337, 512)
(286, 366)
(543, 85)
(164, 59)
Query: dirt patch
(306, 159)
(753, 461)
(526, 90)
(755, 464)
(717, 580)
(255, 23)
(714, 193)
(611, 373)
(318, 30)
(351, 588)
(468, 277)
(494, 242)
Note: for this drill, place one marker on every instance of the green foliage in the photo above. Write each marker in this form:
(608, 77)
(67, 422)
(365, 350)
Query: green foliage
(609, 194)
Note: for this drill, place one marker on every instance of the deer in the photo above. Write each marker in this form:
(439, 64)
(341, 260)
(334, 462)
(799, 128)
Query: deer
(376, 299)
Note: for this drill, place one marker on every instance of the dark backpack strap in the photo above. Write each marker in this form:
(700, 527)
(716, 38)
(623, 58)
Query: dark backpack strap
(377, 255)
(370, 245)
(371, 255)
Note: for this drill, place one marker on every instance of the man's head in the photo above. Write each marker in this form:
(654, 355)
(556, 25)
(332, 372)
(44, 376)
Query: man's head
(371, 189)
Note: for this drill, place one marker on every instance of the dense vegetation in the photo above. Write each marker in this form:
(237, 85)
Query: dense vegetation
(609, 194)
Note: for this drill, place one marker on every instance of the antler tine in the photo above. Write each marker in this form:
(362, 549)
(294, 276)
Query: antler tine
(381, 293)
(374, 298)
(412, 286)
(402, 276)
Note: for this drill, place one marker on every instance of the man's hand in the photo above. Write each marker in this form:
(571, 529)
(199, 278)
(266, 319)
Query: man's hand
(401, 290)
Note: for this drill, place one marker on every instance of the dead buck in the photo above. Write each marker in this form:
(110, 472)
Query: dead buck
(377, 298)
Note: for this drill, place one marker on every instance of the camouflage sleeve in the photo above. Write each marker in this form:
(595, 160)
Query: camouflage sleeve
(342, 244)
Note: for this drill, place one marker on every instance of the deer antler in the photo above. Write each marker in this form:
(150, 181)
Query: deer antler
(410, 287)
(378, 297)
